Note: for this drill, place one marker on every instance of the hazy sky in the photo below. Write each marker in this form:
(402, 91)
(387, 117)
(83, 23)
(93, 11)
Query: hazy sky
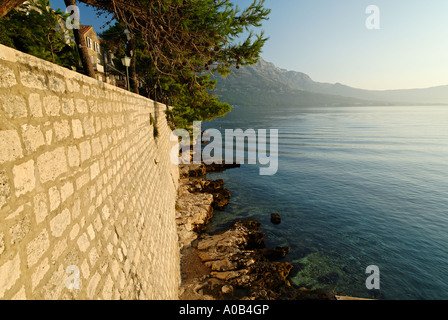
(329, 41)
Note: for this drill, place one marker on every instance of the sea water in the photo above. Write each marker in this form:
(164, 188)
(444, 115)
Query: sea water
(356, 186)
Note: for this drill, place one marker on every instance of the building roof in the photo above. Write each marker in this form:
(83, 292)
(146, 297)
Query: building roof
(83, 29)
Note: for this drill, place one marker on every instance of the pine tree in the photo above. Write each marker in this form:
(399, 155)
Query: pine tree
(34, 29)
(7, 5)
(179, 44)
(81, 45)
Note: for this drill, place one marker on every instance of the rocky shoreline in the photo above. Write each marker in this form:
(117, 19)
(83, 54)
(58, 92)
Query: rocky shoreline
(230, 265)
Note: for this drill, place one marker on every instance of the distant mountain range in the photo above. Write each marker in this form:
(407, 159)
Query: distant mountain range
(264, 84)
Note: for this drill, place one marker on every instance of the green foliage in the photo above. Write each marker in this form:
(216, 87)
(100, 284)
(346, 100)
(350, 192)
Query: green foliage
(34, 28)
(198, 38)
(153, 122)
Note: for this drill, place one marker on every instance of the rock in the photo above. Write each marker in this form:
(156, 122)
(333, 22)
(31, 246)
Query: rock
(219, 202)
(275, 218)
(218, 167)
(226, 289)
(192, 170)
(275, 254)
(221, 195)
(234, 264)
(193, 214)
(238, 258)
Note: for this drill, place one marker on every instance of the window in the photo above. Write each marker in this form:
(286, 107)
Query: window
(97, 47)
(99, 58)
(89, 42)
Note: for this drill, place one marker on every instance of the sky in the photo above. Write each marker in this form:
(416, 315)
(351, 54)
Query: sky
(329, 41)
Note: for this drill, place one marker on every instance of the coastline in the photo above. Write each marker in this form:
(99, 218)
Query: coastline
(233, 264)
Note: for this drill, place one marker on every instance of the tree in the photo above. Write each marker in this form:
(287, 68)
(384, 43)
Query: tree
(7, 5)
(81, 43)
(179, 42)
(34, 30)
(175, 30)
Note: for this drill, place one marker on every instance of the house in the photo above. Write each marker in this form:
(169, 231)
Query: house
(94, 49)
(102, 60)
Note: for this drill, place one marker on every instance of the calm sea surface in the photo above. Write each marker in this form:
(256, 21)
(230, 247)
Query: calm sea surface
(356, 186)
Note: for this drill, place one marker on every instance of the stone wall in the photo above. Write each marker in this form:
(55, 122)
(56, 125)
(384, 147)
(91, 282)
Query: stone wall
(86, 190)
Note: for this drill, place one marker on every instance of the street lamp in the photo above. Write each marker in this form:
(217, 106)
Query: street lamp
(128, 34)
(127, 63)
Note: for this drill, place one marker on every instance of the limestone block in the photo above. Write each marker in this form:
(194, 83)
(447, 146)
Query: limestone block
(72, 85)
(96, 146)
(10, 147)
(52, 106)
(20, 295)
(74, 232)
(32, 137)
(35, 105)
(85, 150)
(39, 273)
(58, 249)
(7, 77)
(82, 181)
(94, 170)
(5, 188)
(13, 106)
(52, 164)
(68, 106)
(66, 191)
(91, 232)
(81, 106)
(56, 84)
(93, 256)
(108, 288)
(93, 105)
(52, 289)
(91, 287)
(40, 207)
(24, 179)
(83, 243)
(60, 223)
(85, 269)
(55, 198)
(49, 137)
(61, 130)
(9, 274)
(86, 90)
(73, 156)
(20, 229)
(33, 80)
(77, 129)
(37, 247)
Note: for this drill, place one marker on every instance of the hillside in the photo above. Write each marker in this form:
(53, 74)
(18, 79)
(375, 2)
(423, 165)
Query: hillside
(266, 84)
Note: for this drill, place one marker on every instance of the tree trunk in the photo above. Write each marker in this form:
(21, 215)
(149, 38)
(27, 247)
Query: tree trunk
(132, 70)
(82, 46)
(8, 5)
